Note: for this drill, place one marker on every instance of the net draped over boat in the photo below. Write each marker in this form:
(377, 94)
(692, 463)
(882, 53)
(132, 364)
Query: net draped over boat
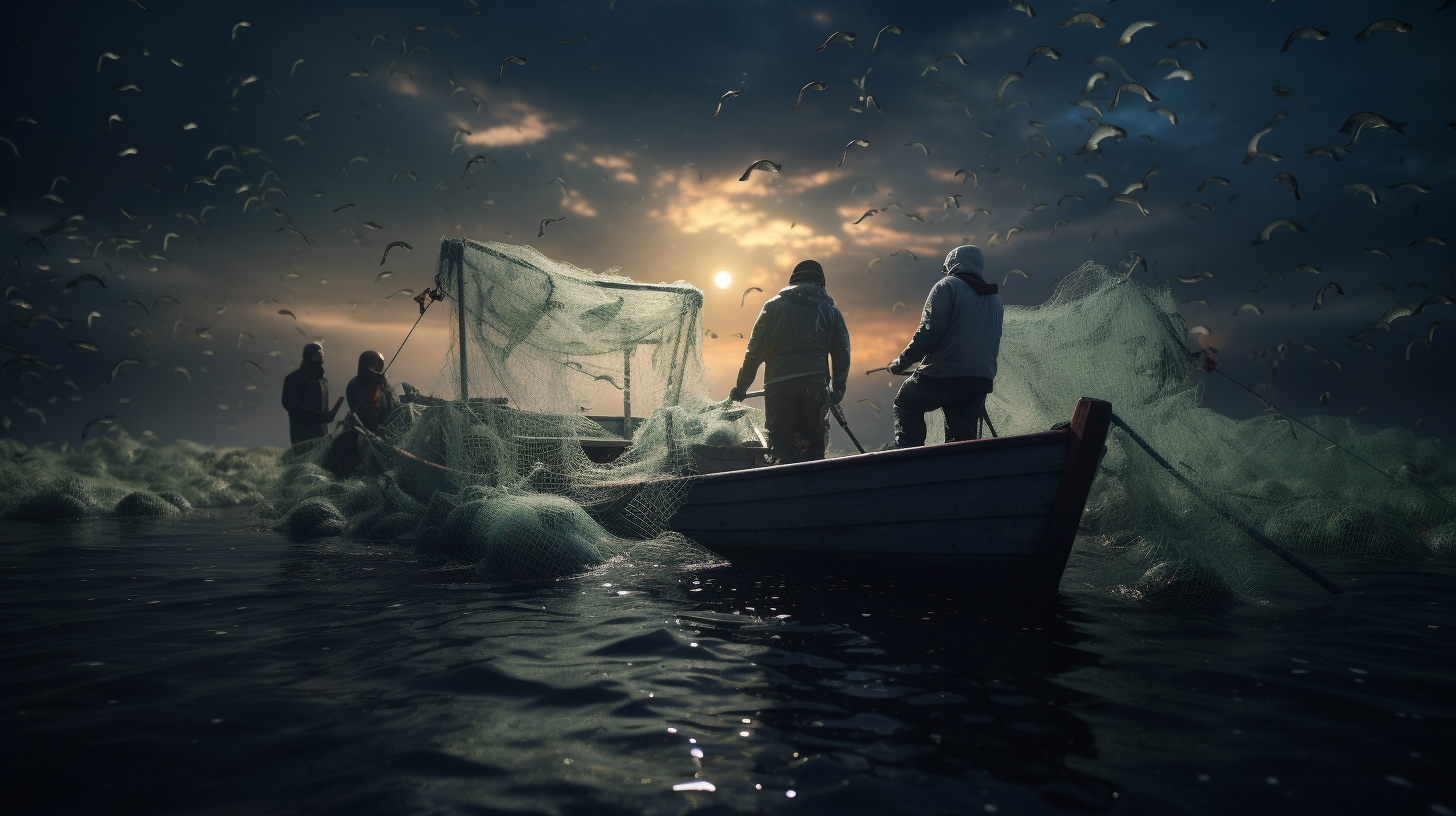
(552, 338)
(546, 362)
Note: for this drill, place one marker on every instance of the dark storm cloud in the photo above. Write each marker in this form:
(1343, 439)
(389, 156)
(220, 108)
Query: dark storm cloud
(236, 181)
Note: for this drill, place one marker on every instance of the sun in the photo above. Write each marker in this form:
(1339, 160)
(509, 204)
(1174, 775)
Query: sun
(723, 279)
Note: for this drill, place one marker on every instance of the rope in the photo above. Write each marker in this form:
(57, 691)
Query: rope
(1167, 324)
(1259, 537)
(1296, 419)
(407, 336)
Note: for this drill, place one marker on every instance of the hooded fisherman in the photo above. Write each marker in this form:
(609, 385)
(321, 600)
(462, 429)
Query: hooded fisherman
(306, 398)
(797, 335)
(956, 345)
(370, 398)
(370, 403)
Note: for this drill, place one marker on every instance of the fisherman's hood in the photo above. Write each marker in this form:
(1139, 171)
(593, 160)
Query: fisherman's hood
(366, 360)
(807, 294)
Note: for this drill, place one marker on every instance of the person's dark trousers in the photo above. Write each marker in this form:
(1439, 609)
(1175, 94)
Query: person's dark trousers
(797, 414)
(963, 399)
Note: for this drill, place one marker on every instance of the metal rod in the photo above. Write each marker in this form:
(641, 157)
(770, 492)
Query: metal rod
(873, 370)
(1259, 537)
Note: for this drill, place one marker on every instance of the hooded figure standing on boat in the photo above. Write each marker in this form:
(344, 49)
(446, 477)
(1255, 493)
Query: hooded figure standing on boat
(797, 335)
(956, 346)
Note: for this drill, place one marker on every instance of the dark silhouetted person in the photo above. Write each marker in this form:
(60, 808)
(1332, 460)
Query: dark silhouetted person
(797, 334)
(370, 397)
(306, 398)
(370, 404)
(956, 345)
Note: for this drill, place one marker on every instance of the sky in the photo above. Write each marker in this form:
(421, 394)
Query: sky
(356, 124)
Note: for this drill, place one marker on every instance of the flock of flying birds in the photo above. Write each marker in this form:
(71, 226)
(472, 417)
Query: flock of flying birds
(1355, 125)
(66, 241)
(151, 317)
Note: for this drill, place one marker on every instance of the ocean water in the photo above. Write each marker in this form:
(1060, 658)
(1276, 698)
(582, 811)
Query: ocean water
(207, 664)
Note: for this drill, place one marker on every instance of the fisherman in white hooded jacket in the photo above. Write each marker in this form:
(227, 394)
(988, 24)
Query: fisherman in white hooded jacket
(956, 346)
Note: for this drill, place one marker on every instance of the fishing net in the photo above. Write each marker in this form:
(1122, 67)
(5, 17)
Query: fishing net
(565, 398)
(114, 474)
(1102, 334)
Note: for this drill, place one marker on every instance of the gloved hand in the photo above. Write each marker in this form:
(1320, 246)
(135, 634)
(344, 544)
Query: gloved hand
(836, 396)
(736, 394)
(894, 367)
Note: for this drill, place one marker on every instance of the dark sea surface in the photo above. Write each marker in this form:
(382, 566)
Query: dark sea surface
(209, 665)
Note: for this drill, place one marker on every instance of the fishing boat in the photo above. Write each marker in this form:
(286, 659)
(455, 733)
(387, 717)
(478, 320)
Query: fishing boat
(1002, 509)
(1006, 507)
(532, 336)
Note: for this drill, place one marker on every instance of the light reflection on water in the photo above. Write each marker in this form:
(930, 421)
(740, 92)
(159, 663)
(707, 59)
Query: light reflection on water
(207, 663)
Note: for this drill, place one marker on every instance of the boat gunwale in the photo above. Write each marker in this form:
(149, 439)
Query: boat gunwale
(969, 446)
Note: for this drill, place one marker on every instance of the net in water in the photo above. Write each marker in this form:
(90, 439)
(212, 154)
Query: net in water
(1102, 334)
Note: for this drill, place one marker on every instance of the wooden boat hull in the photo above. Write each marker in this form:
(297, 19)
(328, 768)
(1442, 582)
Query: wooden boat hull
(1010, 505)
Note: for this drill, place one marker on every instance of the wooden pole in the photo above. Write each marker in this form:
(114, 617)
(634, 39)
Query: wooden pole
(460, 326)
(627, 392)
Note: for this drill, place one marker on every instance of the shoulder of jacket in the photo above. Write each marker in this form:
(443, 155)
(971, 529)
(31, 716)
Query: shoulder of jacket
(946, 284)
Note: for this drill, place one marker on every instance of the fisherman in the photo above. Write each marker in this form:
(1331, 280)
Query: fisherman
(306, 398)
(370, 399)
(956, 346)
(795, 332)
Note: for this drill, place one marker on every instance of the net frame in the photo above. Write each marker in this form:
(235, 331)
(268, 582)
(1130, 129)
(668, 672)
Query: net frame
(539, 332)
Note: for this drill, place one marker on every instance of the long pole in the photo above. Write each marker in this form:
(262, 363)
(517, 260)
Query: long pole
(1259, 537)
(834, 409)
(839, 415)
(460, 327)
